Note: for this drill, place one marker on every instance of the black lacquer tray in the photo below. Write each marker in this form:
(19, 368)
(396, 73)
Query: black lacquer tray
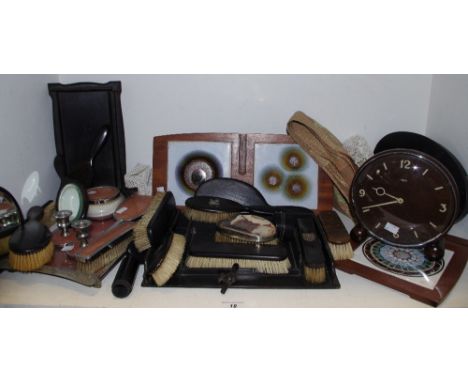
(201, 234)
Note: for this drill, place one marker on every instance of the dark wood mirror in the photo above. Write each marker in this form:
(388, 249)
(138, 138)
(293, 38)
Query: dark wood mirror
(10, 218)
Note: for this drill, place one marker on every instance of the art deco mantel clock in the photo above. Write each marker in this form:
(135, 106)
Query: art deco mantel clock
(409, 194)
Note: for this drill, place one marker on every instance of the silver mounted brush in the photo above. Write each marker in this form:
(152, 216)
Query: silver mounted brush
(249, 228)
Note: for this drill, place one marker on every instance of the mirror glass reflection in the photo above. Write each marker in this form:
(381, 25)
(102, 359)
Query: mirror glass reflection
(10, 218)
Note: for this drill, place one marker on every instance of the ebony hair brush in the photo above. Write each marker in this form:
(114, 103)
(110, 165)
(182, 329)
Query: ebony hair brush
(152, 235)
(31, 244)
(337, 236)
(124, 279)
(313, 256)
(136, 250)
(142, 230)
(169, 256)
(166, 231)
(220, 199)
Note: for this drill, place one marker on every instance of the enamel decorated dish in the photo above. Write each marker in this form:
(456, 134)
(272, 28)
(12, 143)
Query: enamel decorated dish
(71, 197)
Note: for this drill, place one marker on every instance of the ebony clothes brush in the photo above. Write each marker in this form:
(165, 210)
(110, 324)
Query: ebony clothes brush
(211, 261)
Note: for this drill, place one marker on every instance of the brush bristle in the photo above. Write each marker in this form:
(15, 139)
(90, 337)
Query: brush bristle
(31, 261)
(105, 258)
(4, 248)
(337, 236)
(261, 266)
(49, 215)
(341, 251)
(207, 217)
(140, 231)
(315, 275)
(171, 260)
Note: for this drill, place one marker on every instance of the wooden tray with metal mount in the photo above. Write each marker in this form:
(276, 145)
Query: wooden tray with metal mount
(432, 294)
(64, 264)
(108, 237)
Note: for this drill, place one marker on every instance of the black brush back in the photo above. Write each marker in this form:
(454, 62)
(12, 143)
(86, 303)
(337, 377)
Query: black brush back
(232, 189)
(166, 220)
(163, 220)
(31, 237)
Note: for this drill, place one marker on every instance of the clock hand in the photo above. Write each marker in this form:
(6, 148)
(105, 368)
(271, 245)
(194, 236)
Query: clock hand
(399, 201)
(380, 191)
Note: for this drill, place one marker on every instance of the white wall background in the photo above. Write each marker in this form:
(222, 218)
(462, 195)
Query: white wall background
(369, 105)
(26, 137)
(448, 122)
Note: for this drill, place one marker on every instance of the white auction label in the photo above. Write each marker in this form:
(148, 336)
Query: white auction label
(68, 247)
(392, 228)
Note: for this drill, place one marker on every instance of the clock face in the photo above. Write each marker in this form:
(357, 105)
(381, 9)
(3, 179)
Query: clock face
(404, 198)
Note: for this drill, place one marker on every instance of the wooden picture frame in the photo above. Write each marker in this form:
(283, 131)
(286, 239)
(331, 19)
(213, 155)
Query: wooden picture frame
(450, 274)
(242, 163)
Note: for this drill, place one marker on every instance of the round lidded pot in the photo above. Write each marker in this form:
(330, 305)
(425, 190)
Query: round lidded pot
(103, 201)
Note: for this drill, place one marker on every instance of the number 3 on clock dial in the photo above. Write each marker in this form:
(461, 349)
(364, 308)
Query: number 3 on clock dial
(407, 190)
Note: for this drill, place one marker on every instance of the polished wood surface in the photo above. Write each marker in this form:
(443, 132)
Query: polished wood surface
(133, 207)
(434, 296)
